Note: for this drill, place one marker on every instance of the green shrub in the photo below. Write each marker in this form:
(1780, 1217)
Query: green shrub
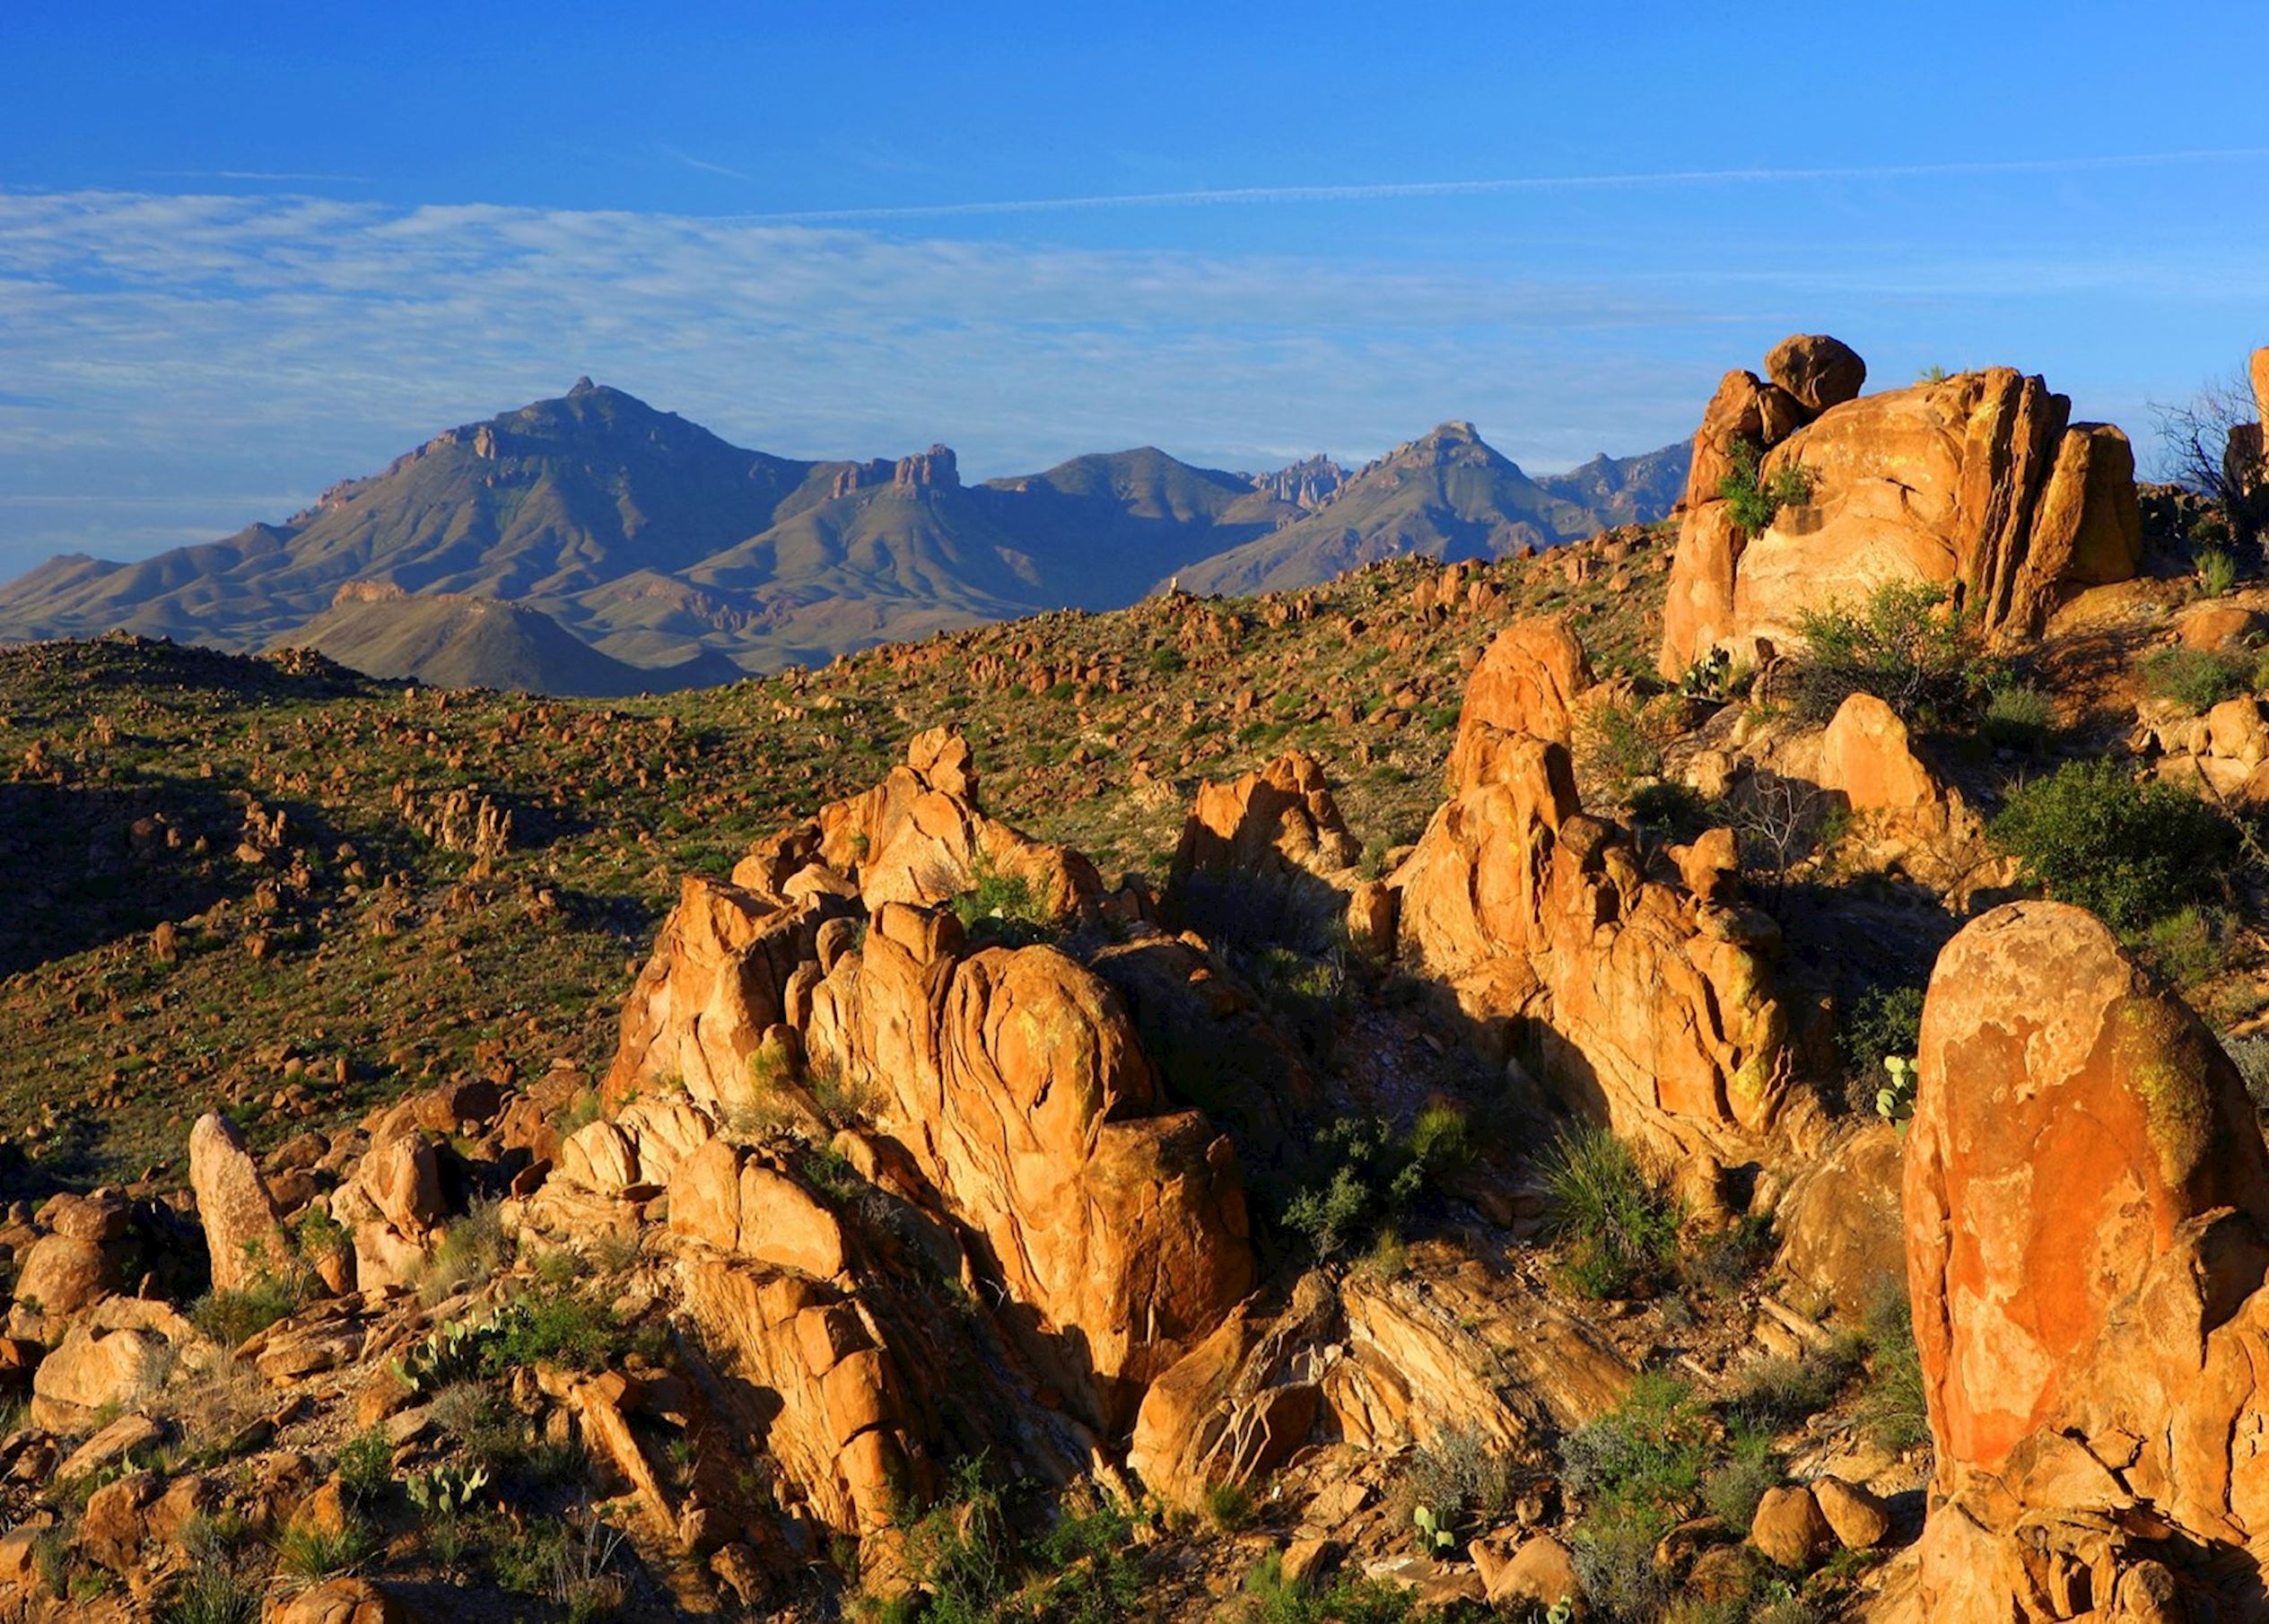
(1902, 644)
(310, 1554)
(2131, 852)
(2251, 1055)
(231, 1318)
(1618, 741)
(1732, 1487)
(1269, 1599)
(1780, 1390)
(1229, 1506)
(1376, 1175)
(2217, 572)
(2018, 718)
(1882, 1021)
(1746, 501)
(1893, 1408)
(366, 1466)
(1619, 1230)
(474, 1250)
(2185, 946)
(1647, 1454)
(2197, 679)
(1457, 1474)
(1007, 906)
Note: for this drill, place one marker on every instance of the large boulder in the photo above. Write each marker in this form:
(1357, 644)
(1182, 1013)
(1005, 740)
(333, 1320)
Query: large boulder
(1977, 484)
(1016, 1080)
(2087, 1205)
(1267, 855)
(1819, 371)
(241, 1229)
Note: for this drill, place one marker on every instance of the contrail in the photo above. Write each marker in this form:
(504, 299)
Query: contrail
(1524, 183)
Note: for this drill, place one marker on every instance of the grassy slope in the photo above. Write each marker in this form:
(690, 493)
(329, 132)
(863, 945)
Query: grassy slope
(387, 959)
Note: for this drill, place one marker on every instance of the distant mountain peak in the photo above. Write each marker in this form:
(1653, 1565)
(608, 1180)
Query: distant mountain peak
(584, 385)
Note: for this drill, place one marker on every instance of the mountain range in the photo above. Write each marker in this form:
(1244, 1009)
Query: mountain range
(634, 549)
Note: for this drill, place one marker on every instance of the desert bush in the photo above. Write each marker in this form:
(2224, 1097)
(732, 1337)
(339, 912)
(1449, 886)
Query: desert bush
(473, 1249)
(366, 1466)
(231, 1318)
(2019, 717)
(2185, 946)
(2130, 852)
(2197, 679)
(2217, 572)
(308, 1555)
(1732, 1487)
(1882, 1021)
(1459, 1474)
(1269, 1598)
(2251, 1055)
(1229, 1506)
(1617, 745)
(1752, 500)
(1003, 907)
(1620, 1231)
(1780, 1390)
(1892, 1409)
(1376, 1175)
(1649, 1452)
(1903, 644)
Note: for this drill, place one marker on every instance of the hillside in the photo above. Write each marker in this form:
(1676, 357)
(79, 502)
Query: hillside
(451, 640)
(653, 541)
(1448, 496)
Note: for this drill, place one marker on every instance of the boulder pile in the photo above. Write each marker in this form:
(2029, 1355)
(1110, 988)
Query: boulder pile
(1979, 483)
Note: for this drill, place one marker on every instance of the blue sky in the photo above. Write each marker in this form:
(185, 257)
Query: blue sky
(247, 249)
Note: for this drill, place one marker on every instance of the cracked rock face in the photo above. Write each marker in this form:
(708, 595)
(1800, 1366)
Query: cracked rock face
(2086, 1192)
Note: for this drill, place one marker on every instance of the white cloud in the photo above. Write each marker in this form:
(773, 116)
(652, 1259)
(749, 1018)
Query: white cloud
(162, 346)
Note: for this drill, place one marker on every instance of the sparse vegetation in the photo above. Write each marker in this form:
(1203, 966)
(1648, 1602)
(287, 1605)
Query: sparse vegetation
(1903, 643)
(1618, 1231)
(1375, 1176)
(2197, 679)
(1754, 500)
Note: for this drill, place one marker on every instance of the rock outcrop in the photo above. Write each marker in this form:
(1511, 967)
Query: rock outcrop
(2087, 1209)
(1978, 482)
(1646, 1002)
(234, 1206)
(1010, 1082)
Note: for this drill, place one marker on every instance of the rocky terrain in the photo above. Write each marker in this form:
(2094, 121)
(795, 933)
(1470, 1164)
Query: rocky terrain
(1711, 1073)
(637, 551)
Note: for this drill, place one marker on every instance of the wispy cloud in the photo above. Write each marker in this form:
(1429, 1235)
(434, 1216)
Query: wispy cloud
(1413, 189)
(291, 176)
(704, 164)
(166, 355)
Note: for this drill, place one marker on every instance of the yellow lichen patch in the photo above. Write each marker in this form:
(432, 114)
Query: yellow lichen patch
(2159, 1053)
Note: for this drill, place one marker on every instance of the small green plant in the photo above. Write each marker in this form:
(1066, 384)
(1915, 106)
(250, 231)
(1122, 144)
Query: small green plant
(1706, 677)
(2197, 679)
(1748, 501)
(473, 1249)
(2130, 852)
(1378, 1175)
(366, 1467)
(1009, 906)
(1435, 1538)
(1619, 1231)
(309, 1554)
(1895, 1100)
(1882, 1021)
(1618, 740)
(2217, 572)
(1229, 1506)
(2019, 717)
(1902, 644)
(1893, 1408)
(1460, 1474)
(446, 1490)
(1732, 1487)
(1931, 374)
(231, 1318)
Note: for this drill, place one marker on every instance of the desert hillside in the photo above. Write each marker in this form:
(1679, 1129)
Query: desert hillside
(1709, 1072)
